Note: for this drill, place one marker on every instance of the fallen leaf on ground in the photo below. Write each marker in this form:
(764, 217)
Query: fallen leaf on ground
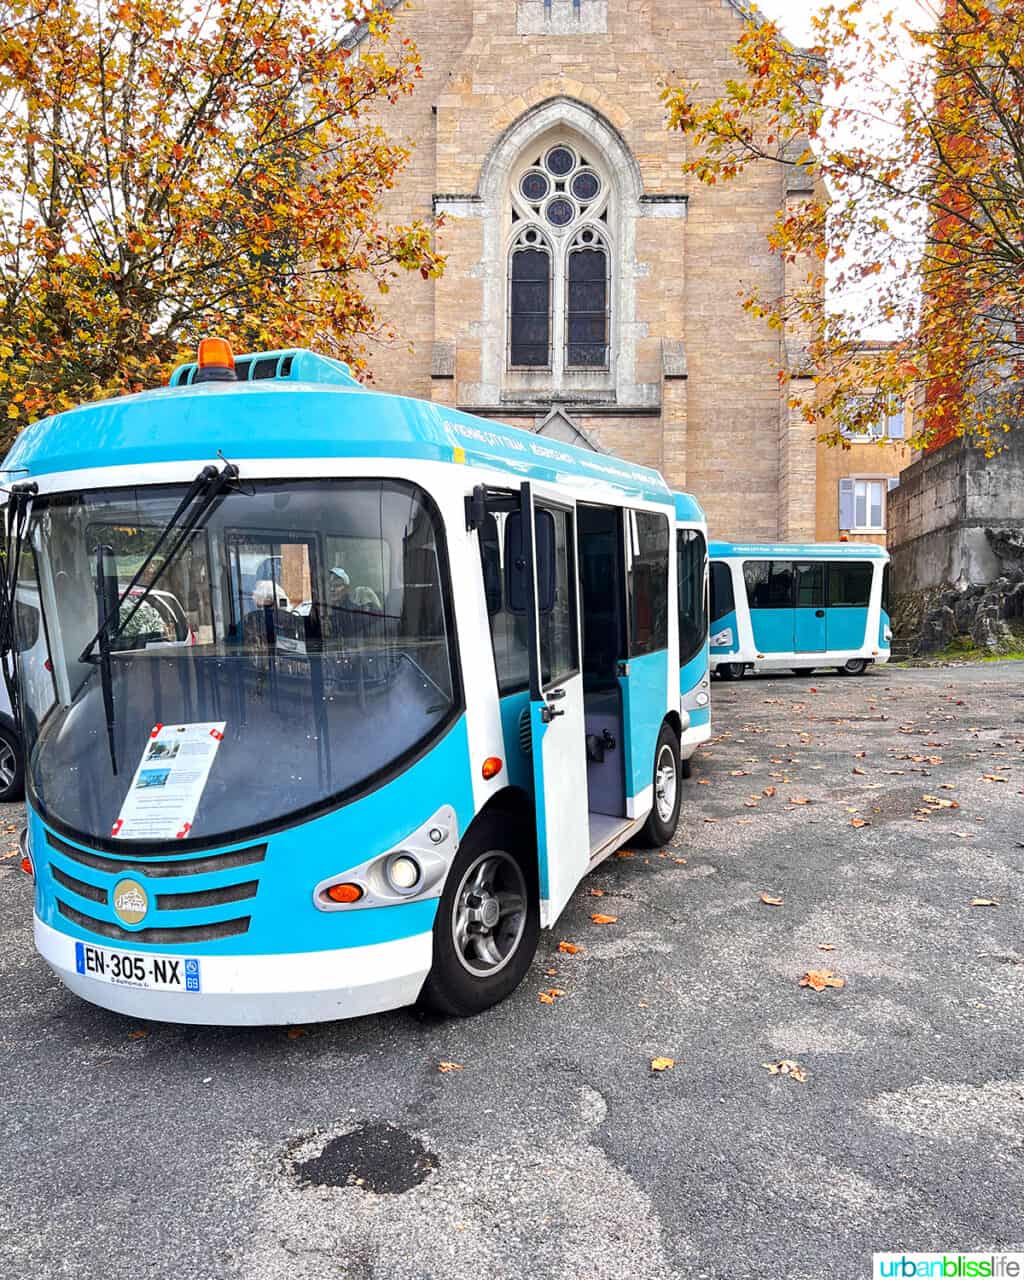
(826, 946)
(296, 1033)
(598, 918)
(445, 1067)
(738, 773)
(596, 893)
(681, 861)
(550, 973)
(787, 1067)
(984, 902)
(819, 979)
(703, 782)
(139, 1034)
(710, 819)
(859, 822)
(769, 792)
(551, 995)
(770, 901)
(939, 802)
(993, 777)
(799, 800)
(570, 948)
(862, 772)
(662, 1064)
(625, 853)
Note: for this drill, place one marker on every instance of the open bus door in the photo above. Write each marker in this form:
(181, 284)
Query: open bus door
(547, 558)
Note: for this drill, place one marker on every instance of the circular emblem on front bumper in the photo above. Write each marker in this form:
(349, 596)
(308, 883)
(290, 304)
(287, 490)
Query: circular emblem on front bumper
(130, 901)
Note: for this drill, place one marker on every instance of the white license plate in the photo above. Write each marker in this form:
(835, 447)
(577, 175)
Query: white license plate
(134, 969)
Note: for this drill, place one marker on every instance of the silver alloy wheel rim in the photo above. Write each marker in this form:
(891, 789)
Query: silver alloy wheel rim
(855, 666)
(8, 766)
(489, 913)
(665, 783)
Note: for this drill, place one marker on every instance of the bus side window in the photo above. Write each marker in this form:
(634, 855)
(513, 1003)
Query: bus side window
(490, 560)
(647, 583)
(722, 600)
(849, 584)
(691, 553)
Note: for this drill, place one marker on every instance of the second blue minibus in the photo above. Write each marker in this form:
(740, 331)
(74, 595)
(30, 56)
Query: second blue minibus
(798, 607)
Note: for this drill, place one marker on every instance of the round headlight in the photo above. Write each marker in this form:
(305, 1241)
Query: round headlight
(701, 699)
(403, 872)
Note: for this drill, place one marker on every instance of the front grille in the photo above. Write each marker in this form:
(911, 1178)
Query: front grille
(171, 936)
(166, 867)
(80, 887)
(207, 897)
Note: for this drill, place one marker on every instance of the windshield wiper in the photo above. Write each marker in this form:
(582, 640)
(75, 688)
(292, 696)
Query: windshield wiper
(106, 599)
(202, 493)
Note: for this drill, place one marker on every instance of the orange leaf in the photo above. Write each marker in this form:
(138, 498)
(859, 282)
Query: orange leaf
(859, 822)
(819, 979)
(570, 948)
(445, 1067)
(662, 1064)
(799, 800)
(771, 902)
(600, 919)
(826, 946)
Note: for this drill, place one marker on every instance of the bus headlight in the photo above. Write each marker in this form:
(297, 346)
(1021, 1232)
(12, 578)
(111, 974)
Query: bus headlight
(412, 869)
(403, 872)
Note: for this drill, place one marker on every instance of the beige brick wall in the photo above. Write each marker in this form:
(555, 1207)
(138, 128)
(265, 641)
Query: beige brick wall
(719, 431)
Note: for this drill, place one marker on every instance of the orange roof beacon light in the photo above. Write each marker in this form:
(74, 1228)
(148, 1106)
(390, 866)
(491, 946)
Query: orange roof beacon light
(216, 361)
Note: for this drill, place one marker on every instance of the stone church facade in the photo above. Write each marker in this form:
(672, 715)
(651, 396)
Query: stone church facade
(592, 291)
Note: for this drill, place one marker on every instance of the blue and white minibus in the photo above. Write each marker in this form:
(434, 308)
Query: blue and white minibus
(345, 692)
(798, 607)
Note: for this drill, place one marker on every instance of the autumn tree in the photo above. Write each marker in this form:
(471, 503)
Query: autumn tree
(916, 134)
(173, 167)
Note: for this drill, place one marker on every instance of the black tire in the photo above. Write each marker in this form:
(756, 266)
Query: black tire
(804, 671)
(855, 667)
(731, 670)
(463, 980)
(662, 821)
(12, 766)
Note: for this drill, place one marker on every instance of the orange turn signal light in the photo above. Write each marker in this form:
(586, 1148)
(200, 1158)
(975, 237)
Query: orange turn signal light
(26, 865)
(492, 767)
(344, 892)
(215, 353)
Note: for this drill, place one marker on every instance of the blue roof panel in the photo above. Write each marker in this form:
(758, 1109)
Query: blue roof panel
(281, 418)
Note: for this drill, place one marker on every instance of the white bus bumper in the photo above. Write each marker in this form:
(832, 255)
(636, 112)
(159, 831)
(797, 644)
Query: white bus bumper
(268, 990)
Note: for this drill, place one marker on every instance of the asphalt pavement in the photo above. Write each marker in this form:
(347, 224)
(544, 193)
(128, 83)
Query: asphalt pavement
(876, 808)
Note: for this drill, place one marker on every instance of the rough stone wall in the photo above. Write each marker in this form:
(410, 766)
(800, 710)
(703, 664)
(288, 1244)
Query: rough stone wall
(956, 536)
(946, 503)
(708, 413)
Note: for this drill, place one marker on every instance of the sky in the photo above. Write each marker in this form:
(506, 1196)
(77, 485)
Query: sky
(794, 15)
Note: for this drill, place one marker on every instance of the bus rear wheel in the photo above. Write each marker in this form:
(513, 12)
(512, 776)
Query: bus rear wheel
(803, 671)
(663, 819)
(488, 921)
(855, 667)
(731, 670)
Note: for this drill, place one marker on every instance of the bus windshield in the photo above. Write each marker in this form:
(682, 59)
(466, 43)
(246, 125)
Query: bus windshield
(311, 618)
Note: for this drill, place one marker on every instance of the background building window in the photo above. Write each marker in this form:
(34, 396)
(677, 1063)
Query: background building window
(889, 425)
(560, 265)
(586, 311)
(529, 302)
(862, 503)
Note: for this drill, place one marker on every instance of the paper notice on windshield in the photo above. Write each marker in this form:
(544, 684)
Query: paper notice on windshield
(168, 784)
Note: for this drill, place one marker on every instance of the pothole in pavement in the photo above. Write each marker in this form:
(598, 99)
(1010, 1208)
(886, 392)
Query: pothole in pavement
(375, 1156)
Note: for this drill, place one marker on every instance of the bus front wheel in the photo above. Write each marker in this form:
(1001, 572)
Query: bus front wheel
(664, 816)
(855, 667)
(488, 920)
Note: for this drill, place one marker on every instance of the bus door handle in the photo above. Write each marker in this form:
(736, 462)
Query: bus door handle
(819, 613)
(547, 714)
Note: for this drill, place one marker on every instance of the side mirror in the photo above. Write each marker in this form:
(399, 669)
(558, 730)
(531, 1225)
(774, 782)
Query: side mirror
(516, 568)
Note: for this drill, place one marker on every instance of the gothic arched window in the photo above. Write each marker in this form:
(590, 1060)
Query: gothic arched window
(529, 307)
(560, 265)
